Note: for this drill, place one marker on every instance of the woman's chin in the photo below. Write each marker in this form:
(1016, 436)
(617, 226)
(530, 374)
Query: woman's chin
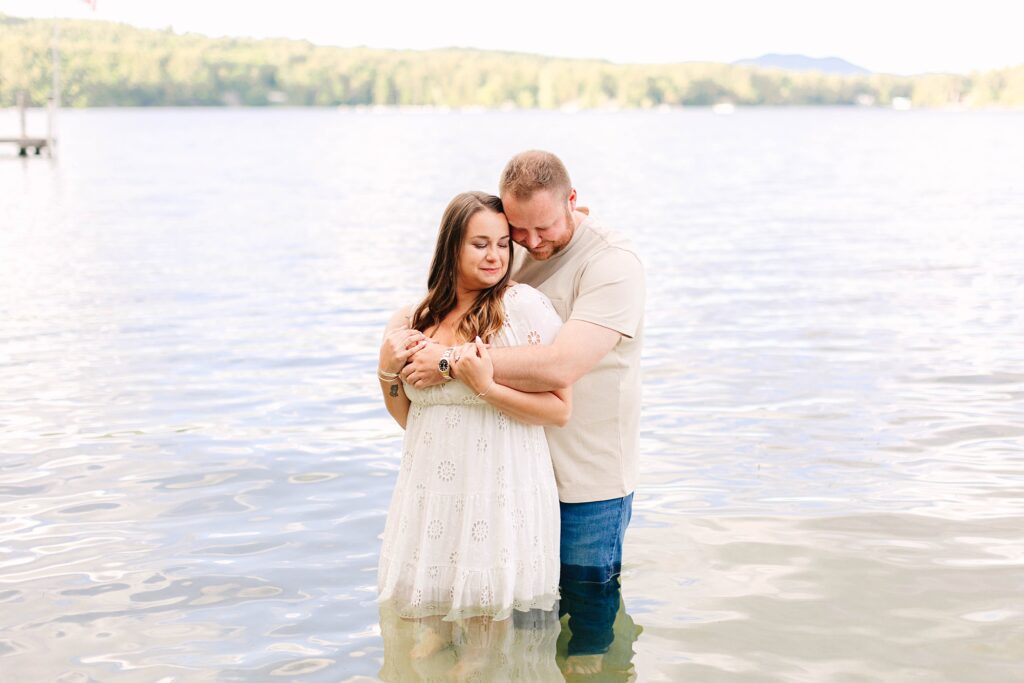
(489, 279)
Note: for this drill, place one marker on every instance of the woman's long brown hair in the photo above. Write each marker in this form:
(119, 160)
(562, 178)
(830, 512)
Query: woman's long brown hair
(486, 315)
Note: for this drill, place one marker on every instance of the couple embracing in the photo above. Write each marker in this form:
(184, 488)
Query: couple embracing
(517, 381)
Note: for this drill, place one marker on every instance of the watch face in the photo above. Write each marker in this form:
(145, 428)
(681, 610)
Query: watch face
(442, 365)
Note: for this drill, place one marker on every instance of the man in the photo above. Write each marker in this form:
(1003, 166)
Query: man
(596, 284)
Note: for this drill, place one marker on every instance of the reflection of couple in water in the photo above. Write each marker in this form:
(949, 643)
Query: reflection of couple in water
(517, 381)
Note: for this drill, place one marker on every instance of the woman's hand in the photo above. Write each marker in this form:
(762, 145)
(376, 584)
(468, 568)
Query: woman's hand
(475, 367)
(398, 345)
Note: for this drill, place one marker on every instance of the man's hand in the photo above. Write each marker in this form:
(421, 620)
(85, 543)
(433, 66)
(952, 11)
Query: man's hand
(398, 346)
(421, 370)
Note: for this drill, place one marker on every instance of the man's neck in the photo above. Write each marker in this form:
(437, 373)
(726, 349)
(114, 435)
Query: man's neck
(580, 214)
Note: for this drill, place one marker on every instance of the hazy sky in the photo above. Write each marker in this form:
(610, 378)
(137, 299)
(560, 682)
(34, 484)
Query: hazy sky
(894, 36)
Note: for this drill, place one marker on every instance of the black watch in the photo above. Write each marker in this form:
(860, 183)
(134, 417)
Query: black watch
(444, 366)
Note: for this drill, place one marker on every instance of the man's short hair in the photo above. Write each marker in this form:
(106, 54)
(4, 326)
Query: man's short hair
(533, 170)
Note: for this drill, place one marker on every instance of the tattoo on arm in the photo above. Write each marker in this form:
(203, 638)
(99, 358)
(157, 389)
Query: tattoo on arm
(394, 390)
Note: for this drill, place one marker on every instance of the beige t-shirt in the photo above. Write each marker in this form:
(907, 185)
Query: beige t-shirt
(597, 278)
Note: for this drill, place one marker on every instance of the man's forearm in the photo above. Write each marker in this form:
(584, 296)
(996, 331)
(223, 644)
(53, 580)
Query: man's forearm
(528, 368)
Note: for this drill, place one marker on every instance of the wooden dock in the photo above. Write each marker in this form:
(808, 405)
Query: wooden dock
(25, 144)
(24, 141)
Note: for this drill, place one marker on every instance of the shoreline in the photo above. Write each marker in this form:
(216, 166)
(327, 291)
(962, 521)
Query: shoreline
(474, 109)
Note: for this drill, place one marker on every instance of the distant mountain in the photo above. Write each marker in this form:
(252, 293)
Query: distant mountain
(829, 65)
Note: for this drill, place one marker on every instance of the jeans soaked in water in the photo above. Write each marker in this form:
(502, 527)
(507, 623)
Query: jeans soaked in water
(591, 556)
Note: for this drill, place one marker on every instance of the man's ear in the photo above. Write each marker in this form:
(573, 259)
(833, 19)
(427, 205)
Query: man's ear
(572, 199)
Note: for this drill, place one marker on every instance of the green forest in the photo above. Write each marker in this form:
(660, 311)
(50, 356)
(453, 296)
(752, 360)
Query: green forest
(110, 64)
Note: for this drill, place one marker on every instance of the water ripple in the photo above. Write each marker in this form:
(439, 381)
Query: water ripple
(195, 466)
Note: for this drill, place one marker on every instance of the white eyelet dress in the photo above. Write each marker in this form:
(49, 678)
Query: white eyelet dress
(473, 525)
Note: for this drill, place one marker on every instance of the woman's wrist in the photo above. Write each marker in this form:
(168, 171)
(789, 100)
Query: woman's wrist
(387, 376)
(382, 366)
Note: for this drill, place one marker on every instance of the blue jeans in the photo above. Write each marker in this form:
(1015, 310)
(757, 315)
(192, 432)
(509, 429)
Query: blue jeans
(591, 550)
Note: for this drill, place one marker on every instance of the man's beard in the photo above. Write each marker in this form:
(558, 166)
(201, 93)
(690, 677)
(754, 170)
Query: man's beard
(559, 246)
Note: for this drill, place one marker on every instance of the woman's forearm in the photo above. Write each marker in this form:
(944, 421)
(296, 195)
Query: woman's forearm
(396, 401)
(542, 408)
(398, 344)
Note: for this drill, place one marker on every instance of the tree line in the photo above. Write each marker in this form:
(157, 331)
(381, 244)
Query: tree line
(110, 64)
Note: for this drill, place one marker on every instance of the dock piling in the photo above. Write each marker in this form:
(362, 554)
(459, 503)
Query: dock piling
(23, 141)
(22, 148)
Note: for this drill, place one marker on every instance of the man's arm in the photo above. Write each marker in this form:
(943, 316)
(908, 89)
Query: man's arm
(576, 350)
(609, 306)
(531, 407)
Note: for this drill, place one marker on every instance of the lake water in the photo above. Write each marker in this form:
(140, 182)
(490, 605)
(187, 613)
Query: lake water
(195, 464)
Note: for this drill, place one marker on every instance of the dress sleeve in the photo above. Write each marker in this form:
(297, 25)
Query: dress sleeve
(531, 316)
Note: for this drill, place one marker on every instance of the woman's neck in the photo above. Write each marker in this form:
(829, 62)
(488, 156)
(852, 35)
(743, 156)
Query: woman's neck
(464, 299)
(444, 331)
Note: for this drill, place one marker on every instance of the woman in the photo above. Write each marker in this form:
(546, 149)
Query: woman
(473, 526)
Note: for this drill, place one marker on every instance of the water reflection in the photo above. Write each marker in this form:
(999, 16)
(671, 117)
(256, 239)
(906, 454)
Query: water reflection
(616, 631)
(520, 648)
(595, 643)
(538, 646)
